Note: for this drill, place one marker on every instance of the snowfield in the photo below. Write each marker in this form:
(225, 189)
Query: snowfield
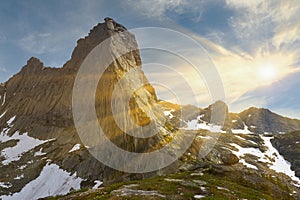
(195, 125)
(51, 181)
(280, 164)
(272, 157)
(25, 143)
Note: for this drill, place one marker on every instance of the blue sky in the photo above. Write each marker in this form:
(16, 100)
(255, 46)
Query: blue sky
(254, 44)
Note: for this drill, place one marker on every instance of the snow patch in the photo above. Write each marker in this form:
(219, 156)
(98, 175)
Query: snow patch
(280, 165)
(24, 144)
(19, 177)
(75, 148)
(3, 114)
(248, 164)
(52, 181)
(97, 184)
(22, 167)
(249, 150)
(198, 196)
(168, 113)
(242, 131)
(194, 125)
(11, 120)
(4, 98)
(239, 137)
(222, 188)
(204, 137)
(39, 153)
(5, 185)
(271, 157)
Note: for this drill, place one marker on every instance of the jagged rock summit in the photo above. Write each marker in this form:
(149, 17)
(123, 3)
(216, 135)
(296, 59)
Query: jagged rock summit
(37, 103)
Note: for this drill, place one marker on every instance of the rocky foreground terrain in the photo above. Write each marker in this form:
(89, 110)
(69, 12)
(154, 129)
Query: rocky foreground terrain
(255, 155)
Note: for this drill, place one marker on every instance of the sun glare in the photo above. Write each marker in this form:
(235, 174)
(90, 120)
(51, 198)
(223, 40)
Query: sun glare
(267, 72)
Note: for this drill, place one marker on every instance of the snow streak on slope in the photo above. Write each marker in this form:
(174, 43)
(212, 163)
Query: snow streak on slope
(271, 157)
(97, 184)
(3, 114)
(52, 181)
(4, 97)
(280, 165)
(75, 148)
(242, 131)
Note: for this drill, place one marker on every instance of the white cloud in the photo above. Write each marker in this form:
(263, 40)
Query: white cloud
(238, 4)
(273, 24)
(158, 9)
(36, 43)
(266, 32)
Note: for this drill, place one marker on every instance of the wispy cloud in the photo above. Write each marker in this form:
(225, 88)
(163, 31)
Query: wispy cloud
(272, 24)
(266, 33)
(157, 8)
(161, 9)
(37, 43)
(263, 33)
(3, 69)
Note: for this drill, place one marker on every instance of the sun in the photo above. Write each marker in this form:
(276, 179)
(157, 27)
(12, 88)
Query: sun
(267, 72)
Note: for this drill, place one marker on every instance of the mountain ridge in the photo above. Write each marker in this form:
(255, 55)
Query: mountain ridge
(36, 113)
(263, 120)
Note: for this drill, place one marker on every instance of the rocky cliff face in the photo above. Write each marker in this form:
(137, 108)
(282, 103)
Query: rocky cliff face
(36, 103)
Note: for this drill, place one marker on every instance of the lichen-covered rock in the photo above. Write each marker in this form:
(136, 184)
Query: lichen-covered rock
(229, 159)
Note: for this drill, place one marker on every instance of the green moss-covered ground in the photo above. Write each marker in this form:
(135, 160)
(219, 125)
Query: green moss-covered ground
(185, 186)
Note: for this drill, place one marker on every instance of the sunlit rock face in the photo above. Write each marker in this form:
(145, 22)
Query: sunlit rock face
(39, 100)
(133, 103)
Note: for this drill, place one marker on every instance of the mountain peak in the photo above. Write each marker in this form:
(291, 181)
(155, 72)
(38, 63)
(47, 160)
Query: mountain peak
(97, 34)
(33, 65)
(265, 120)
(33, 60)
(216, 113)
(258, 109)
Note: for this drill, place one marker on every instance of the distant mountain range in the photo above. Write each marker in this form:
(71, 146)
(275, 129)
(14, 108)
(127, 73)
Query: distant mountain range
(257, 120)
(42, 155)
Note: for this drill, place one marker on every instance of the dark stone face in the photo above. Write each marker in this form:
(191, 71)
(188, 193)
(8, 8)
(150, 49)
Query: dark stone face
(229, 159)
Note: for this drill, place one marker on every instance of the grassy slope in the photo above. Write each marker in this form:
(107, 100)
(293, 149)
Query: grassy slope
(217, 187)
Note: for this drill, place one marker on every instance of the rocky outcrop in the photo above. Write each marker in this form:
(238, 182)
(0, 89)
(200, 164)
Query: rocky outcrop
(218, 112)
(288, 145)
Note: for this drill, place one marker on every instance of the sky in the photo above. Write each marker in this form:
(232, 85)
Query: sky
(254, 44)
